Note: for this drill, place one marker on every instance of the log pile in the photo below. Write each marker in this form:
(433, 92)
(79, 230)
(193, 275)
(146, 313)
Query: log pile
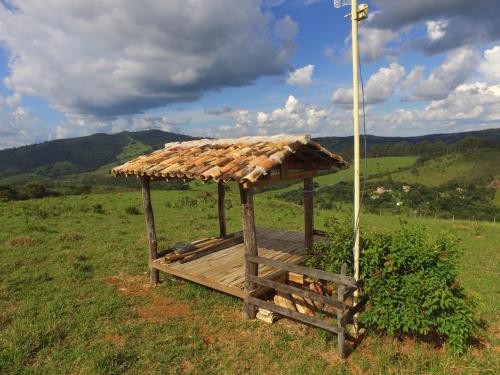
(302, 304)
(201, 247)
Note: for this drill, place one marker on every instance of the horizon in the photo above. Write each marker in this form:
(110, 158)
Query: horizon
(262, 68)
(188, 135)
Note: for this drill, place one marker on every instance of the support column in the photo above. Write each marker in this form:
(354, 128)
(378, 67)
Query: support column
(150, 224)
(308, 213)
(222, 212)
(250, 238)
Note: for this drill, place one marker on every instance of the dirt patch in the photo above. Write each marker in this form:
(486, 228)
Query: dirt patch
(136, 285)
(157, 308)
(113, 338)
(495, 184)
(161, 308)
(22, 241)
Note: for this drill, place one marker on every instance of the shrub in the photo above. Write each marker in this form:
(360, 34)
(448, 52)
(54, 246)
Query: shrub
(410, 279)
(132, 210)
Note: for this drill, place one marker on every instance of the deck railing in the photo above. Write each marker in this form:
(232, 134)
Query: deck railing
(345, 287)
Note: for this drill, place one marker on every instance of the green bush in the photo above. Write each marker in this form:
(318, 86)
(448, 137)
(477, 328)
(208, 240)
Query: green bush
(410, 279)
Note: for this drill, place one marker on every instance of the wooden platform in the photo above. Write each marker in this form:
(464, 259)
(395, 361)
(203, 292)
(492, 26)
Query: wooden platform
(224, 270)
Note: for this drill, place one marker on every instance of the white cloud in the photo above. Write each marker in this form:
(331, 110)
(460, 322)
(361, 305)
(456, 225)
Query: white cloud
(459, 66)
(436, 29)
(18, 126)
(379, 88)
(490, 66)
(101, 58)
(301, 76)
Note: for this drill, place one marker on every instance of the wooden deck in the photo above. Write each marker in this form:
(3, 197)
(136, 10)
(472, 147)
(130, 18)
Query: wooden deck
(224, 270)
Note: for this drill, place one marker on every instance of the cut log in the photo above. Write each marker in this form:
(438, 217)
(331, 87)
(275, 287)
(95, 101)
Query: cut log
(296, 278)
(267, 316)
(284, 300)
(316, 287)
(302, 306)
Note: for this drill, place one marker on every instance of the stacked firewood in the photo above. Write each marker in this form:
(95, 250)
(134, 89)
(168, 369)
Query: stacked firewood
(295, 302)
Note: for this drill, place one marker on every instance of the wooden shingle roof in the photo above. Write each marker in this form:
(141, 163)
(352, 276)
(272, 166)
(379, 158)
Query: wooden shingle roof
(241, 159)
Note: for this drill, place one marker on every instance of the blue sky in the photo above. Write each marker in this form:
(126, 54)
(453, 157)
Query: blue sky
(225, 68)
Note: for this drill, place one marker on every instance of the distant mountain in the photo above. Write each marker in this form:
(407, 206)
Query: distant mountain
(88, 159)
(338, 144)
(62, 157)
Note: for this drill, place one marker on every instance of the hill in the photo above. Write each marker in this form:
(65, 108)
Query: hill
(345, 143)
(63, 157)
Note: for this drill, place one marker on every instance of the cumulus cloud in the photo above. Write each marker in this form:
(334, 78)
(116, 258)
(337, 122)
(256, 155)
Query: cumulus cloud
(436, 29)
(293, 117)
(99, 59)
(458, 66)
(490, 66)
(301, 76)
(18, 126)
(379, 88)
(467, 22)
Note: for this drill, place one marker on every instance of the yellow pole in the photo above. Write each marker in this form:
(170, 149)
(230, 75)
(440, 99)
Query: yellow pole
(355, 91)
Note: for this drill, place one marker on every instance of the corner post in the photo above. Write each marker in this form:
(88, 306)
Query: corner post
(150, 224)
(340, 315)
(308, 213)
(222, 213)
(250, 239)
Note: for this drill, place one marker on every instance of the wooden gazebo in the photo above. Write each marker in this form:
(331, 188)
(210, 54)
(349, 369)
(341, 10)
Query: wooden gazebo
(245, 264)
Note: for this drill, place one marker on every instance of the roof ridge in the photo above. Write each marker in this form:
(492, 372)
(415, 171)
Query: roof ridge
(278, 138)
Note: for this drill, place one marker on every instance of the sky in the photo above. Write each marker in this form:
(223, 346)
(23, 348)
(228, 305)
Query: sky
(230, 68)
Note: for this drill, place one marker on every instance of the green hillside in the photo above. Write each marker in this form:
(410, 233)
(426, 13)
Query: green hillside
(481, 166)
(64, 157)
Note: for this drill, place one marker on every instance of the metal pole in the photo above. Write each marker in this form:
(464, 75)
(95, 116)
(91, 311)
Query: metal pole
(355, 91)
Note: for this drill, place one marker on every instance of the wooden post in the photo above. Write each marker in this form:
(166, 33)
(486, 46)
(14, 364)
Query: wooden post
(308, 213)
(250, 239)
(150, 224)
(222, 213)
(340, 315)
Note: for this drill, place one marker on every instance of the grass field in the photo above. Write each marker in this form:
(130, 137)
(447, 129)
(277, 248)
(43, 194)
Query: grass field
(461, 167)
(74, 296)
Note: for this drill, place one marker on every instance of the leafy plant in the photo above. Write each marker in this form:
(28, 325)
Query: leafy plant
(410, 279)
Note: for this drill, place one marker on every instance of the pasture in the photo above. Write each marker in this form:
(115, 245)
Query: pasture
(74, 296)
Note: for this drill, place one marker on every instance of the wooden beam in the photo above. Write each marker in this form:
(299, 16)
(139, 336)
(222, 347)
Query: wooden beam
(340, 316)
(276, 179)
(348, 314)
(150, 225)
(250, 239)
(222, 211)
(308, 213)
(312, 272)
(288, 289)
(316, 322)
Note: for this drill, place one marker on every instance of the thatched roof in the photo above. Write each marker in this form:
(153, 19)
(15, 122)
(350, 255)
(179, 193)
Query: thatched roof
(241, 159)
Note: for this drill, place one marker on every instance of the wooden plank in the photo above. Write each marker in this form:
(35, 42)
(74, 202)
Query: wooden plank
(219, 245)
(150, 225)
(237, 292)
(316, 322)
(312, 272)
(308, 213)
(284, 288)
(220, 205)
(211, 249)
(250, 239)
(340, 317)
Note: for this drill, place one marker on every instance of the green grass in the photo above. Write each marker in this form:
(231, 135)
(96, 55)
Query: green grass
(74, 296)
(464, 167)
(374, 167)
